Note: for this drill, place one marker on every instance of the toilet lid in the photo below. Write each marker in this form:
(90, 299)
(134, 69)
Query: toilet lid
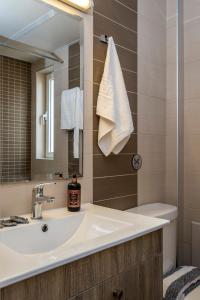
(156, 210)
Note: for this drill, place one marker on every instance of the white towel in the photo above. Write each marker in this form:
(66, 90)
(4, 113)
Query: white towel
(72, 114)
(115, 124)
(68, 108)
(78, 122)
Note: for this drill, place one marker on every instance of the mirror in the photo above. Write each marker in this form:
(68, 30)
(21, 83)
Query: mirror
(41, 92)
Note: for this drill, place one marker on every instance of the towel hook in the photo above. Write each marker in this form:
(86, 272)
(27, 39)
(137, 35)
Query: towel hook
(104, 38)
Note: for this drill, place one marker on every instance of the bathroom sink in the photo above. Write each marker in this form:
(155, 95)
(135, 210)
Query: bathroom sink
(41, 236)
(62, 237)
(46, 236)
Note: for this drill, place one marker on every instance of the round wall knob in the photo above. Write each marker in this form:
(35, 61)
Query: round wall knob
(117, 294)
(137, 161)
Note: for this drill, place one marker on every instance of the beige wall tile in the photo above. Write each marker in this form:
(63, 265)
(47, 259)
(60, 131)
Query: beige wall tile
(171, 8)
(191, 117)
(191, 190)
(171, 118)
(189, 216)
(154, 10)
(153, 162)
(191, 9)
(171, 81)
(151, 99)
(191, 82)
(150, 187)
(148, 80)
(171, 110)
(191, 28)
(192, 53)
(191, 120)
(155, 53)
(171, 54)
(171, 186)
(151, 143)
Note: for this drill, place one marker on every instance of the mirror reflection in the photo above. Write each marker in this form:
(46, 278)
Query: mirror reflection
(41, 92)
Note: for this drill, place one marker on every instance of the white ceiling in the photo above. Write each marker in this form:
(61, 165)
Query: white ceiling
(37, 24)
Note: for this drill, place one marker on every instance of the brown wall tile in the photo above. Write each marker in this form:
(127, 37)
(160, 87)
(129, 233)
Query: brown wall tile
(115, 187)
(74, 49)
(74, 73)
(113, 165)
(74, 61)
(15, 127)
(117, 12)
(74, 81)
(121, 203)
(121, 35)
(119, 20)
(130, 3)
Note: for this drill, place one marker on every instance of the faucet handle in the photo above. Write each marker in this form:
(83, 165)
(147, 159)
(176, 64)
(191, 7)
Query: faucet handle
(50, 199)
(40, 187)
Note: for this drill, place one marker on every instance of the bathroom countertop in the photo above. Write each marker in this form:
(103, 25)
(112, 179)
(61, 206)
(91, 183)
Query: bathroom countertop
(27, 250)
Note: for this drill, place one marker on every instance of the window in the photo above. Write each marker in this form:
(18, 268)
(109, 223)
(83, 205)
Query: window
(49, 115)
(45, 114)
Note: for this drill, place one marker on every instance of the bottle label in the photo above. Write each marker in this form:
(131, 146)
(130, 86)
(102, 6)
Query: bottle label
(73, 198)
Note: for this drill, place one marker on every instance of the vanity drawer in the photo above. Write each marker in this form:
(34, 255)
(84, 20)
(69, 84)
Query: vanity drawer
(143, 282)
(120, 287)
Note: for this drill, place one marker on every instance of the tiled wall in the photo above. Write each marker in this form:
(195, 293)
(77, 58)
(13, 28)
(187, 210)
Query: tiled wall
(191, 122)
(74, 81)
(171, 105)
(115, 182)
(151, 99)
(74, 65)
(15, 127)
(190, 203)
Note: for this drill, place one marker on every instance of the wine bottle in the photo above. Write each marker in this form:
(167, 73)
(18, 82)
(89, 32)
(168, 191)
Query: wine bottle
(74, 195)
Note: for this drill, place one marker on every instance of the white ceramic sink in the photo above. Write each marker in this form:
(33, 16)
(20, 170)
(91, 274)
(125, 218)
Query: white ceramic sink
(72, 229)
(31, 239)
(26, 250)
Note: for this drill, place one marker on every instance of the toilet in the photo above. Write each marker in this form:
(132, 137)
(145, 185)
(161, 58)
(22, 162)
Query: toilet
(167, 212)
(174, 287)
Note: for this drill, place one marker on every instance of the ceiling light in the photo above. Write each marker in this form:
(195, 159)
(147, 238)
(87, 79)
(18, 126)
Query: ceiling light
(80, 4)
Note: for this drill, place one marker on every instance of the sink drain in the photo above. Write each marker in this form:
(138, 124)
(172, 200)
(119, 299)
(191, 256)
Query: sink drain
(45, 228)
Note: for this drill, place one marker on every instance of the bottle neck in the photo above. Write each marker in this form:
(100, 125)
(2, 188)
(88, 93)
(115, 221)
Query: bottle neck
(74, 180)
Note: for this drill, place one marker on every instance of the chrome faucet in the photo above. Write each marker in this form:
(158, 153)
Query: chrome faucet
(38, 199)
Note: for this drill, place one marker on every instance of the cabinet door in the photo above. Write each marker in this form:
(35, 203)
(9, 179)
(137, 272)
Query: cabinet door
(142, 282)
(121, 287)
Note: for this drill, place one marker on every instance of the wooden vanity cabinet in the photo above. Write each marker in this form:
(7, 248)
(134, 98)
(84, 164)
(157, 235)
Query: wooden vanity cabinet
(130, 271)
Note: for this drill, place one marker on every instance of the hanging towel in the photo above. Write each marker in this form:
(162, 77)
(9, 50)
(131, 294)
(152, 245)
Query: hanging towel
(68, 108)
(72, 114)
(115, 124)
(78, 122)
